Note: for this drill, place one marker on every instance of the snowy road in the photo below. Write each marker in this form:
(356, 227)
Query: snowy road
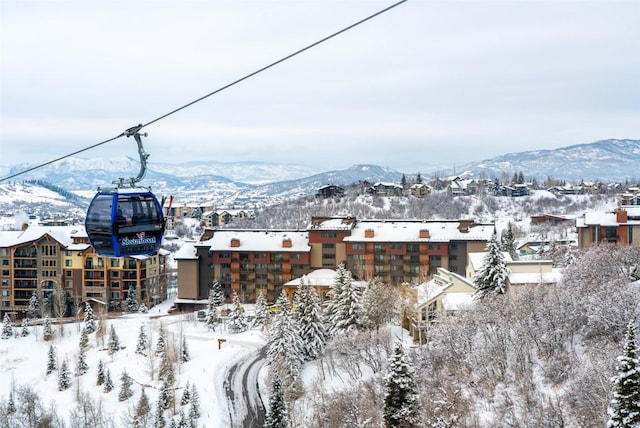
(243, 395)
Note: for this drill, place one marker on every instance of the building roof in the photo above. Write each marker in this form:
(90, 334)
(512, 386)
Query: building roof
(259, 240)
(63, 234)
(186, 252)
(332, 223)
(409, 231)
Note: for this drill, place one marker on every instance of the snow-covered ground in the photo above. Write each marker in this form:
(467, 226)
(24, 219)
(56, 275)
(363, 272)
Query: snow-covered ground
(23, 362)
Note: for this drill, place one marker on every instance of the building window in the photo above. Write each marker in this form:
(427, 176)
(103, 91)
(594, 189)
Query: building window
(379, 248)
(68, 263)
(115, 262)
(6, 293)
(396, 246)
(357, 246)
(5, 282)
(68, 273)
(434, 246)
(115, 295)
(413, 248)
(328, 235)
(5, 262)
(328, 246)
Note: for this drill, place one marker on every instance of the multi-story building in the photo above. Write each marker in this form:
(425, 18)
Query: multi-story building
(248, 262)
(40, 259)
(410, 251)
(244, 262)
(614, 227)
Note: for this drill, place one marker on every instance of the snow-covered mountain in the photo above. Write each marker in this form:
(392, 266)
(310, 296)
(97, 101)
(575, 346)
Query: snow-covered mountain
(606, 160)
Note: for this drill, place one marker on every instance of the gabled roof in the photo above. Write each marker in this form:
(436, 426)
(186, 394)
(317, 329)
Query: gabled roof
(259, 240)
(409, 231)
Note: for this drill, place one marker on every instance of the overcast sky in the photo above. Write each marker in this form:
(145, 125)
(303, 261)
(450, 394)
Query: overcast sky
(425, 86)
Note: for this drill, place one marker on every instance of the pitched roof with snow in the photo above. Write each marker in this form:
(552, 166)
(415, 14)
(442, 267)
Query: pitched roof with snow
(63, 234)
(409, 231)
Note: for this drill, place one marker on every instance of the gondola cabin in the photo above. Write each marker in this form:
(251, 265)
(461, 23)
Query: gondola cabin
(125, 222)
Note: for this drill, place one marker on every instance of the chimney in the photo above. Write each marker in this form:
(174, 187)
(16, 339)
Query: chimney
(286, 243)
(235, 242)
(368, 233)
(621, 215)
(424, 233)
(464, 226)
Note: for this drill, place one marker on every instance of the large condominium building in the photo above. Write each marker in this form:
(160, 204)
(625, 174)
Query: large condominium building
(620, 226)
(248, 262)
(40, 259)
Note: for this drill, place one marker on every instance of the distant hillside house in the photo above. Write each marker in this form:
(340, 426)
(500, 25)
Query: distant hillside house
(386, 189)
(420, 190)
(330, 191)
(620, 226)
(463, 187)
(551, 219)
(223, 217)
(632, 197)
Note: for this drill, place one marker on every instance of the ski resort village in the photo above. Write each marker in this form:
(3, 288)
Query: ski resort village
(499, 306)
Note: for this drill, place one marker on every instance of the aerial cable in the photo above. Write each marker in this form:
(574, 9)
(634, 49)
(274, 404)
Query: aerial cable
(235, 82)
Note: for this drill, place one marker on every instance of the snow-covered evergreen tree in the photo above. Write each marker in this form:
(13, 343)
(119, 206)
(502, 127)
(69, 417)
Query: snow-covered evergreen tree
(212, 313)
(165, 397)
(142, 308)
(508, 241)
(52, 360)
(143, 342)
(125, 386)
(7, 327)
(113, 344)
(309, 317)
(64, 376)
(161, 406)
(261, 311)
(194, 410)
(33, 306)
(84, 338)
(166, 369)
(493, 276)
(285, 354)
(47, 331)
(101, 373)
(184, 354)
(401, 407)
(132, 299)
(345, 310)
(25, 327)
(143, 407)
(90, 322)
(624, 409)
(186, 395)
(218, 293)
(162, 339)
(11, 404)
(277, 415)
(81, 365)
(108, 382)
(237, 321)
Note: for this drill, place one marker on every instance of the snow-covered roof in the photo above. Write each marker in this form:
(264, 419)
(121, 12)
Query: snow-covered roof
(260, 240)
(186, 252)
(552, 277)
(333, 223)
(456, 301)
(409, 231)
(63, 234)
(315, 278)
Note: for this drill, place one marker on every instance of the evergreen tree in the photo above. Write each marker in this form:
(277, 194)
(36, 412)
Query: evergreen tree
(47, 331)
(331, 309)
(185, 356)
(143, 308)
(186, 395)
(11, 404)
(113, 345)
(508, 241)
(161, 406)
(345, 309)
(403, 181)
(262, 311)
(81, 366)
(143, 407)
(161, 343)
(401, 397)
(166, 369)
(101, 373)
(624, 408)
(277, 416)
(164, 397)
(285, 354)
(493, 276)
(25, 327)
(7, 327)
(212, 313)
(132, 299)
(64, 377)
(90, 322)
(108, 382)
(84, 338)
(218, 293)
(125, 386)
(143, 343)
(418, 178)
(312, 330)
(52, 360)
(194, 411)
(236, 319)
(33, 306)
